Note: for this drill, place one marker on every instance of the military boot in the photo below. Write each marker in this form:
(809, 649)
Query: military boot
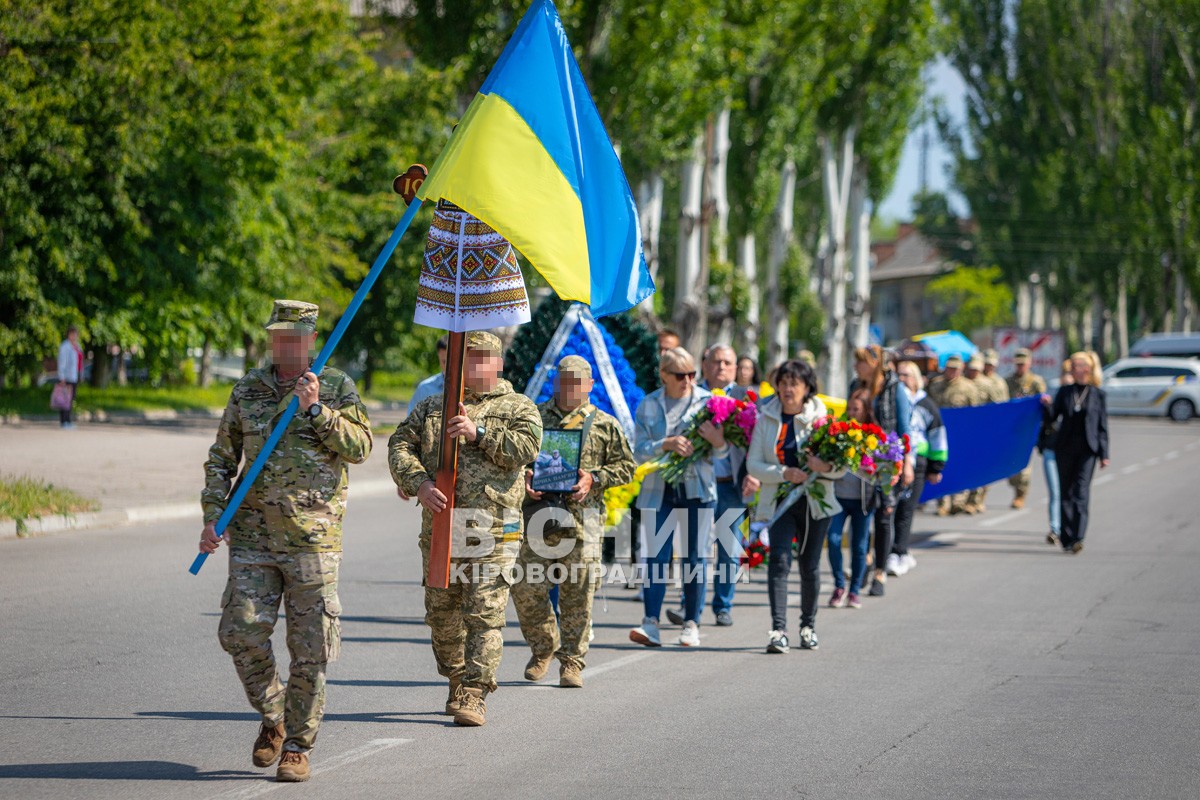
(570, 676)
(537, 667)
(267, 745)
(452, 698)
(471, 708)
(293, 767)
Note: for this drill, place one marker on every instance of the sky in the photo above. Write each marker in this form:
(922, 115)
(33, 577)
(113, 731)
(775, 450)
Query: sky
(942, 81)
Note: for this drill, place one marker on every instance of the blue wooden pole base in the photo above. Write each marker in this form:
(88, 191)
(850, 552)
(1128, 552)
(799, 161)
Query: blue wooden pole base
(239, 492)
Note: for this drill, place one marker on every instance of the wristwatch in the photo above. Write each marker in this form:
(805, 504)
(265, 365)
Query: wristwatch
(315, 410)
(479, 433)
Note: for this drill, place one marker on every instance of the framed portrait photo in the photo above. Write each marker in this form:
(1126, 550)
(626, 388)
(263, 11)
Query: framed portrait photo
(556, 468)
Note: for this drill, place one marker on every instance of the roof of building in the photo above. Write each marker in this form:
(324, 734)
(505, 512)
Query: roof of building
(910, 255)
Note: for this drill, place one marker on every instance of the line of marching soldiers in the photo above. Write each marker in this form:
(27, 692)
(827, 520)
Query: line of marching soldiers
(977, 383)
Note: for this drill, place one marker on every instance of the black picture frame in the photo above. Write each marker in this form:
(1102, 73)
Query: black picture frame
(556, 468)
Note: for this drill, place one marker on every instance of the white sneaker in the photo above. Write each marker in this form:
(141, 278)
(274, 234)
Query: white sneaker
(894, 567)
(778, 642)
(690, 635)
(908, 561)
(646, 633)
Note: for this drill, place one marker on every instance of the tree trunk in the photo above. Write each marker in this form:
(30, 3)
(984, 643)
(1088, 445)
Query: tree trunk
(369, 366)
(860, 258)
(101, 367)
(747, 335)
(835, 175)
(250, 359)
(781, 240)
(650, 206)
(719, 184)
(687, 263)
(205, 375)
(122, 370)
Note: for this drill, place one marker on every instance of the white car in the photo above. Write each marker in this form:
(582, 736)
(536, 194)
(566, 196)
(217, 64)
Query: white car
(1155, 386)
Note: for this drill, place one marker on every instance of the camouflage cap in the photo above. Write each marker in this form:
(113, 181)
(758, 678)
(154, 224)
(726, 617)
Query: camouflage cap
(576, 366)
(954, 361)
(976, 362)
(482, 340)
(991, 357)
(293, 315)
(1022, 356)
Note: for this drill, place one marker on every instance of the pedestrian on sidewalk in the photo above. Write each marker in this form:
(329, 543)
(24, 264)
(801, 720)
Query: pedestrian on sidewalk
(777, 458)
(285, 541)
(1080, 409)
(570, 539)
(70, 372)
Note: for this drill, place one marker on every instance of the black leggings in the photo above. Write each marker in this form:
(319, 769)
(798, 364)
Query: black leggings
(885, 522)
(796, 524)
(910, 498)
(64, 415)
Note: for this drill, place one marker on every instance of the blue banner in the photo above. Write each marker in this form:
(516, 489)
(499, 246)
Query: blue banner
(986, 444)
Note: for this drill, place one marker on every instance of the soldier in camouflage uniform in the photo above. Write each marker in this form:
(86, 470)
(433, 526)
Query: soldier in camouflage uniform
(1023, 383)
(991, 390)
(285, 542)
(502, 432)
(606, 460)
(953, 390)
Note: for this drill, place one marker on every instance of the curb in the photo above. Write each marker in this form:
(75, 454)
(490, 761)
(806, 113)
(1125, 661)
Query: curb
(120, 517)
(163, 414)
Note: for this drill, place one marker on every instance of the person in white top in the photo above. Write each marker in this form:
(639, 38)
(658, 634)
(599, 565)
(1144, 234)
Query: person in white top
(70, 369)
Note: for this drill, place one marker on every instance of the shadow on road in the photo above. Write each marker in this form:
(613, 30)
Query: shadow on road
(120, 771)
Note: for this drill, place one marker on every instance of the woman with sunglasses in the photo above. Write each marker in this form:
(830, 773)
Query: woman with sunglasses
(661, 419)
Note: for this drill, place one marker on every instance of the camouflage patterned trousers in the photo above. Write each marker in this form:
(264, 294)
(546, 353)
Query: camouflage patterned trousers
(307, 585)
(466, 621)
(577, 578)
(1020, 482)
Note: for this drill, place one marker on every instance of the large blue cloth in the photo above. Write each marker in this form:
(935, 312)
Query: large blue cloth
(986, 444)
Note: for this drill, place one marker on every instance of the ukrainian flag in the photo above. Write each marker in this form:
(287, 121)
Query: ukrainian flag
(531, 158)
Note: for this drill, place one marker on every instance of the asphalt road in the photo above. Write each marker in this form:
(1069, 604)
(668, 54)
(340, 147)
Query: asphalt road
(998, 668)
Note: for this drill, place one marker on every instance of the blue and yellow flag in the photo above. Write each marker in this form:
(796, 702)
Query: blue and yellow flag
(531, 159)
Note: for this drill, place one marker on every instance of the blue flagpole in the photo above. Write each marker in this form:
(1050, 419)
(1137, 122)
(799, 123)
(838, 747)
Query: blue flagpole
(243, 486)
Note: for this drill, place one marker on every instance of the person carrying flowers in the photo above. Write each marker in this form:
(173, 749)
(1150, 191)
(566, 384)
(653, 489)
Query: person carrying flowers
(777, 457)
(679, 496)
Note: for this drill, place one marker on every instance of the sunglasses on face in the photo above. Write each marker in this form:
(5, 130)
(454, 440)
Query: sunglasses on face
(683, 375)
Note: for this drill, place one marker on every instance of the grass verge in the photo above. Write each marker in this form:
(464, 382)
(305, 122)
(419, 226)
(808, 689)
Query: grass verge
(23, 498)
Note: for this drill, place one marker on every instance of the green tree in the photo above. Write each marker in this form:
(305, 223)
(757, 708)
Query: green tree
(972, 297)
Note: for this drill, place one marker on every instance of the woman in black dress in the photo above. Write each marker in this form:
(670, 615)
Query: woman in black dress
(1079, 409)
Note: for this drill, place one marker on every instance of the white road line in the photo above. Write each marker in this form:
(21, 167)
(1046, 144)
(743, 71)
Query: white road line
(987, 523)
(1132, 468)
(324, 765)
(1103, 479)
(1171, 455)
(1150, 462)
(623, 661)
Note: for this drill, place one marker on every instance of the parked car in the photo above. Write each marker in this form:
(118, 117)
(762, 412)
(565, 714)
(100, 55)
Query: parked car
(1167, 345)
(1155, 386)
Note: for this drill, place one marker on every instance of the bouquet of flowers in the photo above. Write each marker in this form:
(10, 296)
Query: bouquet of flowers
(735, 417)
(619, 499)
(883, 458)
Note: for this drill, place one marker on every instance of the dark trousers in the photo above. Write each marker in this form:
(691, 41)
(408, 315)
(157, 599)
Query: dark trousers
(885, 524)
(795, 524)
(64, 415)
(910, 498)
(1075, 468)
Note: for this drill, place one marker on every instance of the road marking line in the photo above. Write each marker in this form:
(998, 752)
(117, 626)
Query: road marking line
(350, 756)
(1150, 462)
(1103, 479)
(1132, 468)
(623, 661)
(1171, 455)
(987, 523)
